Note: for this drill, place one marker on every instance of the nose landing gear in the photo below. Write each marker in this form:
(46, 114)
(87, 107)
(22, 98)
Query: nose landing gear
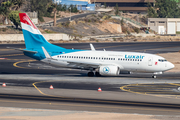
(154, 76)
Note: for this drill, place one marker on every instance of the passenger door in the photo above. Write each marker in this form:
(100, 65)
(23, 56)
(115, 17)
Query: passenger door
(150, 61)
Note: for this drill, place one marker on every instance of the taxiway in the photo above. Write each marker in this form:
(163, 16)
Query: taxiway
(28, 84)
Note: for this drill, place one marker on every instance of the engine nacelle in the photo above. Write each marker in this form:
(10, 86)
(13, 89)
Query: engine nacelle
(109, 70)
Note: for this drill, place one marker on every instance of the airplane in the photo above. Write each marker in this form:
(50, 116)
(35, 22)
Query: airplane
(98, 63)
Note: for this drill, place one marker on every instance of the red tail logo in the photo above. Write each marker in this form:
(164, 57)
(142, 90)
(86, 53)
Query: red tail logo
(26, 20)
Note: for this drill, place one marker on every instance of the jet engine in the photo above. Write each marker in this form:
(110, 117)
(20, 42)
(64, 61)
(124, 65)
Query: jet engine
(109, 70)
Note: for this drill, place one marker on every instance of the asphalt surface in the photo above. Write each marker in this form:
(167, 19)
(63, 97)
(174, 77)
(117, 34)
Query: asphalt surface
(28, 84)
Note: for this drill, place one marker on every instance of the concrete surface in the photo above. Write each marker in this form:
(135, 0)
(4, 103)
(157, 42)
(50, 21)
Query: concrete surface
(43, 114)
(20, 37)
(74, 91)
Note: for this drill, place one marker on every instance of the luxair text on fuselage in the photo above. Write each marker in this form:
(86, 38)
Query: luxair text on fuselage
(134, 56)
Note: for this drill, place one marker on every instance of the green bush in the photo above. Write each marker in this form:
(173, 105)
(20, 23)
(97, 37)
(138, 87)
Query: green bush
(137, 30)
(14, 17)
(128, 32)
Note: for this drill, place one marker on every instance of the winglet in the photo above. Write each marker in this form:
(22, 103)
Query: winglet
(92, 47)
(46, 53)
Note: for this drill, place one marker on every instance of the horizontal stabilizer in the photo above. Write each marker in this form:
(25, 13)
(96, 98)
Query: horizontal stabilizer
(22, 50)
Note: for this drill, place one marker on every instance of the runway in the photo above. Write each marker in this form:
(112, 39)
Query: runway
(28, 84)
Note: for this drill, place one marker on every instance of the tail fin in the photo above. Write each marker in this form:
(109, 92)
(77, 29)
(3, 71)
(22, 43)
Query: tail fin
(32, 36)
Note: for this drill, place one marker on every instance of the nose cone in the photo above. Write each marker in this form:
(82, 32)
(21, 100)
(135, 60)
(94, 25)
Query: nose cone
(170, 65)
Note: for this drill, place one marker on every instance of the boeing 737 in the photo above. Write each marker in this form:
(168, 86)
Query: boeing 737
(105, 63)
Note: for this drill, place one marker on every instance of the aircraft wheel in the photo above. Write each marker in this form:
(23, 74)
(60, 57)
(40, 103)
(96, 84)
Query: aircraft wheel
(90, 74)
(154, 76)
(97, 74)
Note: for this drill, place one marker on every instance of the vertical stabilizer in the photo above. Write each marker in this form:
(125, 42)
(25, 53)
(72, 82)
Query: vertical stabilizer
(32, 36)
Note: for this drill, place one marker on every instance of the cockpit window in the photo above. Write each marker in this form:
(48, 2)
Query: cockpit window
(162, 60)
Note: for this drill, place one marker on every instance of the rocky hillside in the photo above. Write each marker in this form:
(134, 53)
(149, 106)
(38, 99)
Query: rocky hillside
(92, 25)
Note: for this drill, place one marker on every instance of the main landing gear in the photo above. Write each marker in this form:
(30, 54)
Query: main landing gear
(97, 74)
(91, 74)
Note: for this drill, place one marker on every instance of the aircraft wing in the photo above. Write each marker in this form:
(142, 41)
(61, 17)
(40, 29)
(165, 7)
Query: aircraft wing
(83, 64)
(86, 65)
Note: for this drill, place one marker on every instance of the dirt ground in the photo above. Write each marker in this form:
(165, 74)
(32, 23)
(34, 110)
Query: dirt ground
(60, 13)
(39, 114)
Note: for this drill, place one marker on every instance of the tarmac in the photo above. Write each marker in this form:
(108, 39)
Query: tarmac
(28, 81)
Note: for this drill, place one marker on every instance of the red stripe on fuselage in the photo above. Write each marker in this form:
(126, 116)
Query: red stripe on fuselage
(26, 20)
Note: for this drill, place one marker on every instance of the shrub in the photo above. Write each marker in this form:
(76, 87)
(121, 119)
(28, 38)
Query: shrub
(124, 29)
(14, 17)
(136, 30)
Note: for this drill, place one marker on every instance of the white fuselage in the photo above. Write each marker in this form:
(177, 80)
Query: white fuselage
(128, 61)
(103, 62)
